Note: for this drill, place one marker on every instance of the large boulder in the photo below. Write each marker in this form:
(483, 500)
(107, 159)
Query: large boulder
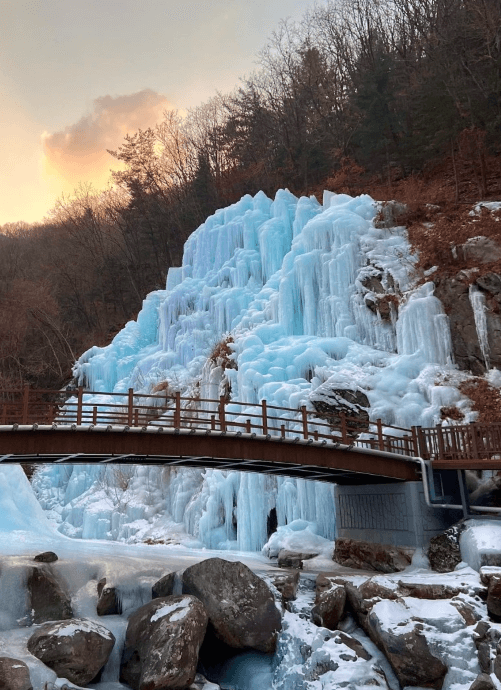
(293, 559)
(162, 643)
(241, 608)
(479, 250)
(49, 600)
(76, 649)
(383, 558)
(330, 599)
(330, 402)
(406, 648)
(444, 553)
(362, 598)
(14, 674)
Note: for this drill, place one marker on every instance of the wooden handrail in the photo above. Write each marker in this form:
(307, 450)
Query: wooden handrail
(41, 406)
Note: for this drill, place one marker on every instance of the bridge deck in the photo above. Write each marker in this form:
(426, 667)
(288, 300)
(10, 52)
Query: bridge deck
(194, 448)
(80, 426)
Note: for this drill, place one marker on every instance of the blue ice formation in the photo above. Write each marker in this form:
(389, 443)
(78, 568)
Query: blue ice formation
(292, 281)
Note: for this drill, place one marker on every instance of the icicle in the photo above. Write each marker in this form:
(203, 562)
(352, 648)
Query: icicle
(477, 301)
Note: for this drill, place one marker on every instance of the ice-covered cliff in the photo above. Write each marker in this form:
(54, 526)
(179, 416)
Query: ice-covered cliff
(304, 296)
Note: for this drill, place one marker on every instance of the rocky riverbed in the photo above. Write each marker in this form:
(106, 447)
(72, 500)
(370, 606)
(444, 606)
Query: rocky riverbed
(217, 624)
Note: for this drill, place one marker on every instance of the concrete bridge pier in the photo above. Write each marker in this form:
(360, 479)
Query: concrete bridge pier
(389, 517)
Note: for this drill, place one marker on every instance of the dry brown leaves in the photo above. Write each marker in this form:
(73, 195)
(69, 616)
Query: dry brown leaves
(485, 398)
(220, 355)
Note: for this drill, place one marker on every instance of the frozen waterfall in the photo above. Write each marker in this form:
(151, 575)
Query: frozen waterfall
(295, 283)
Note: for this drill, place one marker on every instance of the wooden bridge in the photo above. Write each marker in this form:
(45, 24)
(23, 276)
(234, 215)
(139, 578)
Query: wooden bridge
(80, 426)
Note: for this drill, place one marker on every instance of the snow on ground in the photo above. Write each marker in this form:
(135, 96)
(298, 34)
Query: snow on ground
(481, 543)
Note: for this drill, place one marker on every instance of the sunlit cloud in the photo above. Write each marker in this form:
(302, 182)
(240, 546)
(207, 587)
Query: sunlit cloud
(78, 153)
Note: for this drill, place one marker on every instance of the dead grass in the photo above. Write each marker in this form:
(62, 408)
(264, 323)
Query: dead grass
(434, 232)
(486, 400)
(162, 386)
(451, 412)
(221, 354)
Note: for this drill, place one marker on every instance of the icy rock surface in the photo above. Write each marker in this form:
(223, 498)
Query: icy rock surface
(288, 278)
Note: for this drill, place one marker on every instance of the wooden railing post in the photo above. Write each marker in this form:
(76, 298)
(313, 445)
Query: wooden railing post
(473, 438)
(26, 402)
(248, 427)
(177, 411)
(264, 413)
(222, 412)
(94, 414)
(130, 406)
(79, 405)
(440, 441)
(304, 415)
(422, 446)
(136, 417)
(380, 436)
(344, 427)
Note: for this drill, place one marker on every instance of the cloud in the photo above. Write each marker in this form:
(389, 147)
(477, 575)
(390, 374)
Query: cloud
(78, 153)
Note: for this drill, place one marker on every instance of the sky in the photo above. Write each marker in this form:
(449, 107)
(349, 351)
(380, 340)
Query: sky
(77, 75)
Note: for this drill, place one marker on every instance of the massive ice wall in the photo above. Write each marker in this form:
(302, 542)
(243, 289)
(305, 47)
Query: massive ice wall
(297, 284)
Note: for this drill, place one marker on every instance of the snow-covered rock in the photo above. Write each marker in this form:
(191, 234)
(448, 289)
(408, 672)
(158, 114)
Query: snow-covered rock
(162, 643)
(480, 543)
(14, 674)
(76, 649)
(241, 607)
(49, 600)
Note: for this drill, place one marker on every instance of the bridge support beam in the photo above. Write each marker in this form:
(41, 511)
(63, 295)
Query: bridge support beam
(395, 514)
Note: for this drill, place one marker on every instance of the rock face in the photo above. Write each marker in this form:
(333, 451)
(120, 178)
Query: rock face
(162, 643)
(14, 674)
(76, 649)
(454, 294)
(329, 603)
(378, 557)
(329, 403)
(241, 608)
(48, 599)
(389, 213)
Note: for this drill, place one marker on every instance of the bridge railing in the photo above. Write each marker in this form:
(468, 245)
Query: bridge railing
(30, 406)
